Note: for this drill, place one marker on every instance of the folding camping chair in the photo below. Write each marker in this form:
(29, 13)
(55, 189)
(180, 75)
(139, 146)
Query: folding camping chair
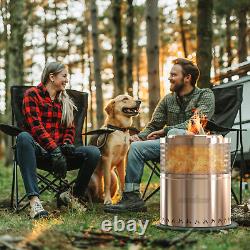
(228, 99)
(46, 181)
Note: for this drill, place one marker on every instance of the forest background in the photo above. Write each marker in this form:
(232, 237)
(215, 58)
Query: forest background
(119, 46)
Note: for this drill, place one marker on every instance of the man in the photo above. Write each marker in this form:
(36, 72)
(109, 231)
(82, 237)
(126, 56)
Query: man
(171, 116)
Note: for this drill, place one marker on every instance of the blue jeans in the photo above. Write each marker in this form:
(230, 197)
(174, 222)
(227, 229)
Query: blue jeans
(139, 152)
(30, 156)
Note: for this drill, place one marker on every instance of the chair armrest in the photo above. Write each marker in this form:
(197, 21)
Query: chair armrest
(10, 129)
(212, 126)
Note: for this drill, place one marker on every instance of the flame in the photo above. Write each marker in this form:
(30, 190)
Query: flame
(39, 227)
(197, 123)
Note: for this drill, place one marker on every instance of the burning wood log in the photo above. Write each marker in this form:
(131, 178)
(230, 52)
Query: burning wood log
(197, 123)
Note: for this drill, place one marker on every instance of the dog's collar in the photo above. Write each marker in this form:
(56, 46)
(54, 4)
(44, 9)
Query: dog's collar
(116, 128)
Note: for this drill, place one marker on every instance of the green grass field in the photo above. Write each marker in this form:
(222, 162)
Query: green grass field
(51, 234)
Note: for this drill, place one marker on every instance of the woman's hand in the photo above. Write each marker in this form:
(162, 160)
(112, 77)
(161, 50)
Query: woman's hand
(59, 164)
(156, 134)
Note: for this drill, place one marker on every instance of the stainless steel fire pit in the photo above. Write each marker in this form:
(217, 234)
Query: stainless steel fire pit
(195, 182)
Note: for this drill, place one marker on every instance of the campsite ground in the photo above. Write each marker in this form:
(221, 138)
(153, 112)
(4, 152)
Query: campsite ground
(58, 231)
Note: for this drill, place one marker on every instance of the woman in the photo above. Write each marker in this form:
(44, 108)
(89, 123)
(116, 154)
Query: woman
(48, 112)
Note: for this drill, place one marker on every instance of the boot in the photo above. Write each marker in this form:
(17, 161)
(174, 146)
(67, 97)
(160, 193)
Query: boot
(131, 201)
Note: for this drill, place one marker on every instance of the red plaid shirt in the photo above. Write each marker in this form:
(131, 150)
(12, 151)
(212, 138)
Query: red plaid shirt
(43, 119)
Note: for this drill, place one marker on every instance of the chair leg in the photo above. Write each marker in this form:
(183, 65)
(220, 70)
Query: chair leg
(14, 189)
(13, 186)
(154, 192)
(148, 182)
(235, 197)
(154, 170)
(242, 167)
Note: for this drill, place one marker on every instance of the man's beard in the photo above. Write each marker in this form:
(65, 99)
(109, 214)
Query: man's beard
(178, 87)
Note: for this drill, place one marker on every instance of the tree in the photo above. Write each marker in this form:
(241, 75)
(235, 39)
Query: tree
(130, 45)
(118, 54)
(242, 33)
(228, 40)
(204, 41)
(183, 33)
(5, 41)
(152, 54)
(16, 43)
(139, 15)
(97, 65)
(15, 57)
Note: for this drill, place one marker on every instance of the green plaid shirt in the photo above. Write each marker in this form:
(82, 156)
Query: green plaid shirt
(174, 111)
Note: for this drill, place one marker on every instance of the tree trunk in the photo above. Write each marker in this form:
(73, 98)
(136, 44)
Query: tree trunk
(138, 56)
(89, 64)
(228, 40)
(91, 113)
(4, 118)
(118, 54)
(4, 14)
(97, 65)
(130, 42)
(242, 35)
(152, 54)
(16, 42)
(15, 56)
(204, 41)
(220, 61)
(183, 34)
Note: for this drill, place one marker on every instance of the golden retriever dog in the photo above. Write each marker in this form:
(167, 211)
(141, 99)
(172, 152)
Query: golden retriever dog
(120, 111)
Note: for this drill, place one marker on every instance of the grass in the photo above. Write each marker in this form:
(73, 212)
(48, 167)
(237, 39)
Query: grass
(51, 234)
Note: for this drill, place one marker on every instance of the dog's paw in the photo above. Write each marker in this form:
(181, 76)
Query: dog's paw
(107, 202)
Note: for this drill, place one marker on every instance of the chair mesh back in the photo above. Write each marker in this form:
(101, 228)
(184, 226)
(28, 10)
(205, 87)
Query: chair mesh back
(228, 100)
(17, 93)
(79, 98)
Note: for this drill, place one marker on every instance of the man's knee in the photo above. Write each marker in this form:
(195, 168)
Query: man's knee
(136, 147)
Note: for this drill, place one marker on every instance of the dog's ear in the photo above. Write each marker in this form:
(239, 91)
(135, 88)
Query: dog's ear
(110, 108)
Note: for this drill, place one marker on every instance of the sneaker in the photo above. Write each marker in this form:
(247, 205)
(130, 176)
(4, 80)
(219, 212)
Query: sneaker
(67, 199)
(131, 201)
(37, 211)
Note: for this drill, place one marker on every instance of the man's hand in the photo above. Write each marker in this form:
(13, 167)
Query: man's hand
(156, 134)
(59, 164)
(134, 138)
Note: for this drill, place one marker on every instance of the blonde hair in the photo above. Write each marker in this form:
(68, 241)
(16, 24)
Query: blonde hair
(68, 105)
